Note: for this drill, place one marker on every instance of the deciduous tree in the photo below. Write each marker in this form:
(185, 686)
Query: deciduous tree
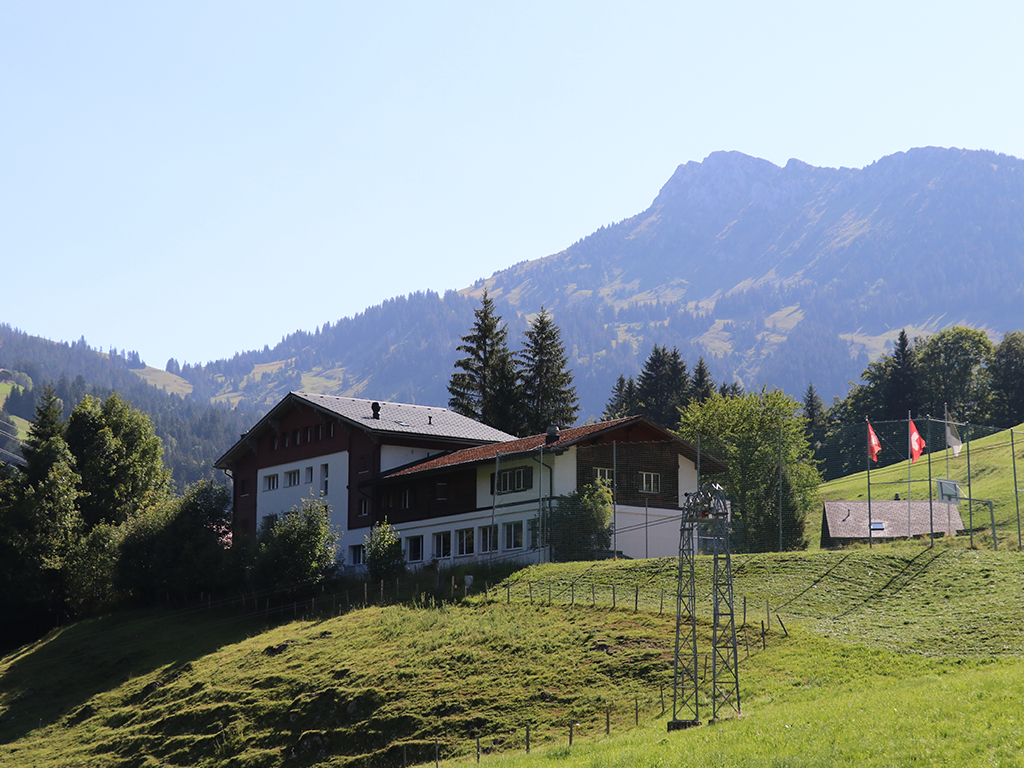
(755, 434)
(1006, 373)
(952, 372)
(383, 552)
(578, 524)
(297, 549)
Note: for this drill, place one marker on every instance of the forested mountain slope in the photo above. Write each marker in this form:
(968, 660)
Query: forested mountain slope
(193, 433)
(777, 276)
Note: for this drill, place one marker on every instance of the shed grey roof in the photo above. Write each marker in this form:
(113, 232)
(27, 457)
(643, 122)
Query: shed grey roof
(398, 419)
(402, 418)
(849, 519)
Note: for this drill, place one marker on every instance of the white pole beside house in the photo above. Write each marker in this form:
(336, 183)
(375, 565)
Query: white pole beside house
(541, 521)
(780, 486)
(646, 528)
(970, 496)
(494, 490)
(931, 513)
(615, 482)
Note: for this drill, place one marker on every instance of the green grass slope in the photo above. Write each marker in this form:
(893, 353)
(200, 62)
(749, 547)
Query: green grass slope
(891, 657)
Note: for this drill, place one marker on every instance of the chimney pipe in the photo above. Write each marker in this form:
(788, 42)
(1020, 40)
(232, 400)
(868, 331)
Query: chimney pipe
(552, 435)
(375, 407)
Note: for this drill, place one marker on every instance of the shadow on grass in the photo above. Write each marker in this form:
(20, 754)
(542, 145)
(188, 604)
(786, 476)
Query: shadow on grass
(913, 569)
(54, 678)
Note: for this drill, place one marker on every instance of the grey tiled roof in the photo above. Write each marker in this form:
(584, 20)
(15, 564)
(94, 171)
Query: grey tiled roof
(849, 519)
(402, 418)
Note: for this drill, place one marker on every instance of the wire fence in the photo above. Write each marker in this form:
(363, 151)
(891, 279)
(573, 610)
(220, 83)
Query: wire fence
(758, 626)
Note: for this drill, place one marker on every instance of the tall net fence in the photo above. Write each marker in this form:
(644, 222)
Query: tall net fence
(906, 493)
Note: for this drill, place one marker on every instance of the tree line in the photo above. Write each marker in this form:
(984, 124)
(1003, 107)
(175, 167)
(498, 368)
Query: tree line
(957, 371)
(192, 432)
(90, 522)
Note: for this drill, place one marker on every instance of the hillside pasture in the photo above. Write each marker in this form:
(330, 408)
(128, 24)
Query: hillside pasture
(885, 657)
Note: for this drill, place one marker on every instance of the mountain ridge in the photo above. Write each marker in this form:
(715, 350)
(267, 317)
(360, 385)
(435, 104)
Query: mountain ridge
(777, 275)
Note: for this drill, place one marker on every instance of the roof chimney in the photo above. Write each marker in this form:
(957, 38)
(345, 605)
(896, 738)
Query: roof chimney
(375, 407)
(552, 435)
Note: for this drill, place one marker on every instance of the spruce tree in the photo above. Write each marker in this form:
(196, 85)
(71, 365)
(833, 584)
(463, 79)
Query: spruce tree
(664, 386)
(48, 424)
(548, 395)
(900, 391)
(815, 414)
(623, 401)
(703, 386)
(484, 386)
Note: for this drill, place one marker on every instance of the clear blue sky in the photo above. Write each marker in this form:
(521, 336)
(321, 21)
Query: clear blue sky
(192, 179)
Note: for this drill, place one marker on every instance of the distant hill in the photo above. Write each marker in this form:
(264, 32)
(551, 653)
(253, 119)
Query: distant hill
(778, 276)
(194, 434)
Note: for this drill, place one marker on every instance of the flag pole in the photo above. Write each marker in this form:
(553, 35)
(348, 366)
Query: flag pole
(931, 511)
(1016, 494)
(970, 496)
(867, 458)
(949, 507)
(910, 463)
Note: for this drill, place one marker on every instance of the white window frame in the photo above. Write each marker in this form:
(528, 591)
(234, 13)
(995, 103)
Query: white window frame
(442, 543)
(270, 482)
(409, 547)
(291, 478)
(512, 532)
(513, 480)
(488, 539)
(465, 540)
(650, 482)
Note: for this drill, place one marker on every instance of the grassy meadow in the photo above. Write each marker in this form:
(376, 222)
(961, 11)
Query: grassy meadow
(893, 656)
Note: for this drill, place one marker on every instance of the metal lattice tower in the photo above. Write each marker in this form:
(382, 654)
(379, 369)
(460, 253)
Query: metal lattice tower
(685, 709)
(725, 673)
(704, 510)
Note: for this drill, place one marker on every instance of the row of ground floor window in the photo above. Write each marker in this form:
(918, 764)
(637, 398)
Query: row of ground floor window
(462, 542)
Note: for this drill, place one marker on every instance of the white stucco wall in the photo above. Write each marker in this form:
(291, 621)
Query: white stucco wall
(392, 456)
(687, 479)
(646, 533)
(283, 498)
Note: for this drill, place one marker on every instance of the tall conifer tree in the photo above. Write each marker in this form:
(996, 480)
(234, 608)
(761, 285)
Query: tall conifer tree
(664, 386)
(549, 397)
(703, 386)
(484, 385)
(623, 401)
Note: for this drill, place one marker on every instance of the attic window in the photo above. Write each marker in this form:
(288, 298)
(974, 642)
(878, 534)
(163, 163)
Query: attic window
(878, 526)
(403, 423)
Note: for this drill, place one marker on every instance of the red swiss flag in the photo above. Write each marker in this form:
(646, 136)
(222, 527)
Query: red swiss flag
(916, 442)
(874, 445)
